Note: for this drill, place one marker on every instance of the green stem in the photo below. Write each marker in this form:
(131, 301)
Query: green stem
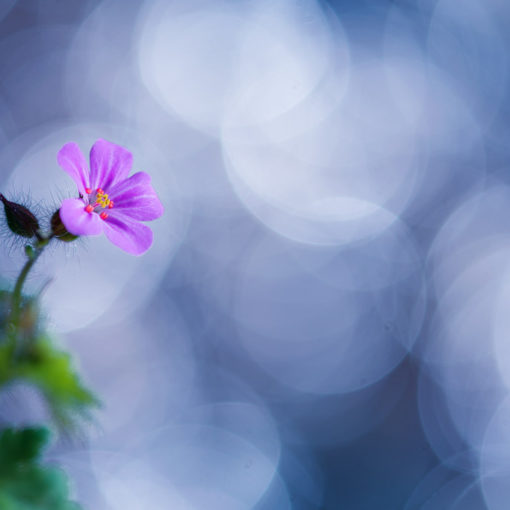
(16, 301)
(16, 294)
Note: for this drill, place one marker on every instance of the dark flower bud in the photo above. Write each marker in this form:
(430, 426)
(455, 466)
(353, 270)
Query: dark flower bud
(59, 230)
(19, 219)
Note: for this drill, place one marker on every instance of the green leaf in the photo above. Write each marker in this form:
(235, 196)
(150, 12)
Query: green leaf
(18, 446)
(28, 355)
(52, 371)
(26, 484)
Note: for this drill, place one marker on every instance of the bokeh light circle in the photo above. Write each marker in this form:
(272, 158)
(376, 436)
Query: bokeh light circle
(124, 280)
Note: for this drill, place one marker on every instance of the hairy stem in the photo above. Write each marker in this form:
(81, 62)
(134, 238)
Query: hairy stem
(16, 294)
(16, 300)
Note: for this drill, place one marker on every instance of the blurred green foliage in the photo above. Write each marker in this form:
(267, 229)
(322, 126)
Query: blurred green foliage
(52, 372)
(34, 359)
(26, 484)
(29, 355)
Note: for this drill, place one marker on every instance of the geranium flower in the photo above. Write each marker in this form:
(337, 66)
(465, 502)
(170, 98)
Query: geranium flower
(109, 201)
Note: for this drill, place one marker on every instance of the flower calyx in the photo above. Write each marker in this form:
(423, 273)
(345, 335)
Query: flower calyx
(59, 230)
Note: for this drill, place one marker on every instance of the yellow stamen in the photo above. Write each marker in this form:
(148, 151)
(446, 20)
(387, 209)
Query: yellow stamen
(102, 199)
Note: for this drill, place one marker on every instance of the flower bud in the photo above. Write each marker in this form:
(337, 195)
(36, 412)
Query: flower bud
(19, 219)
(59, 230)
(29, 251)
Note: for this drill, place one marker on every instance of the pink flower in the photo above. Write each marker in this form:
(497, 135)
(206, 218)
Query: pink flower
(109, 200)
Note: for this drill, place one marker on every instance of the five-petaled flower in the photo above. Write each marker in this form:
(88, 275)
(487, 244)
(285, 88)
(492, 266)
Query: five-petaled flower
(109, 201)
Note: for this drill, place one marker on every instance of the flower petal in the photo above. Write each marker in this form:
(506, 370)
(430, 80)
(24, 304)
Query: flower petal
(131, 236)
(109, 164)
(135, 197)
(78, 221)
(71, 159)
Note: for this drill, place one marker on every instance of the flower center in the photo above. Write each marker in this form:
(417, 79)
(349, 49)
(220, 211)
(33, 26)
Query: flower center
(98, 202)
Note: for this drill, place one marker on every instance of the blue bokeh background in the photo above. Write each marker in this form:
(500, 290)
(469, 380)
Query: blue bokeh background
(322, 322)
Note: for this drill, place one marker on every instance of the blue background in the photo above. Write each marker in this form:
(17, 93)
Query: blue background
(322, 322)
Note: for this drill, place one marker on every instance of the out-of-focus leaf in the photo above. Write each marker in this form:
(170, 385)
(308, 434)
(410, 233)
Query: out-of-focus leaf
(52, 372)
(19, 446)
(25, 484)
(40, 363)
